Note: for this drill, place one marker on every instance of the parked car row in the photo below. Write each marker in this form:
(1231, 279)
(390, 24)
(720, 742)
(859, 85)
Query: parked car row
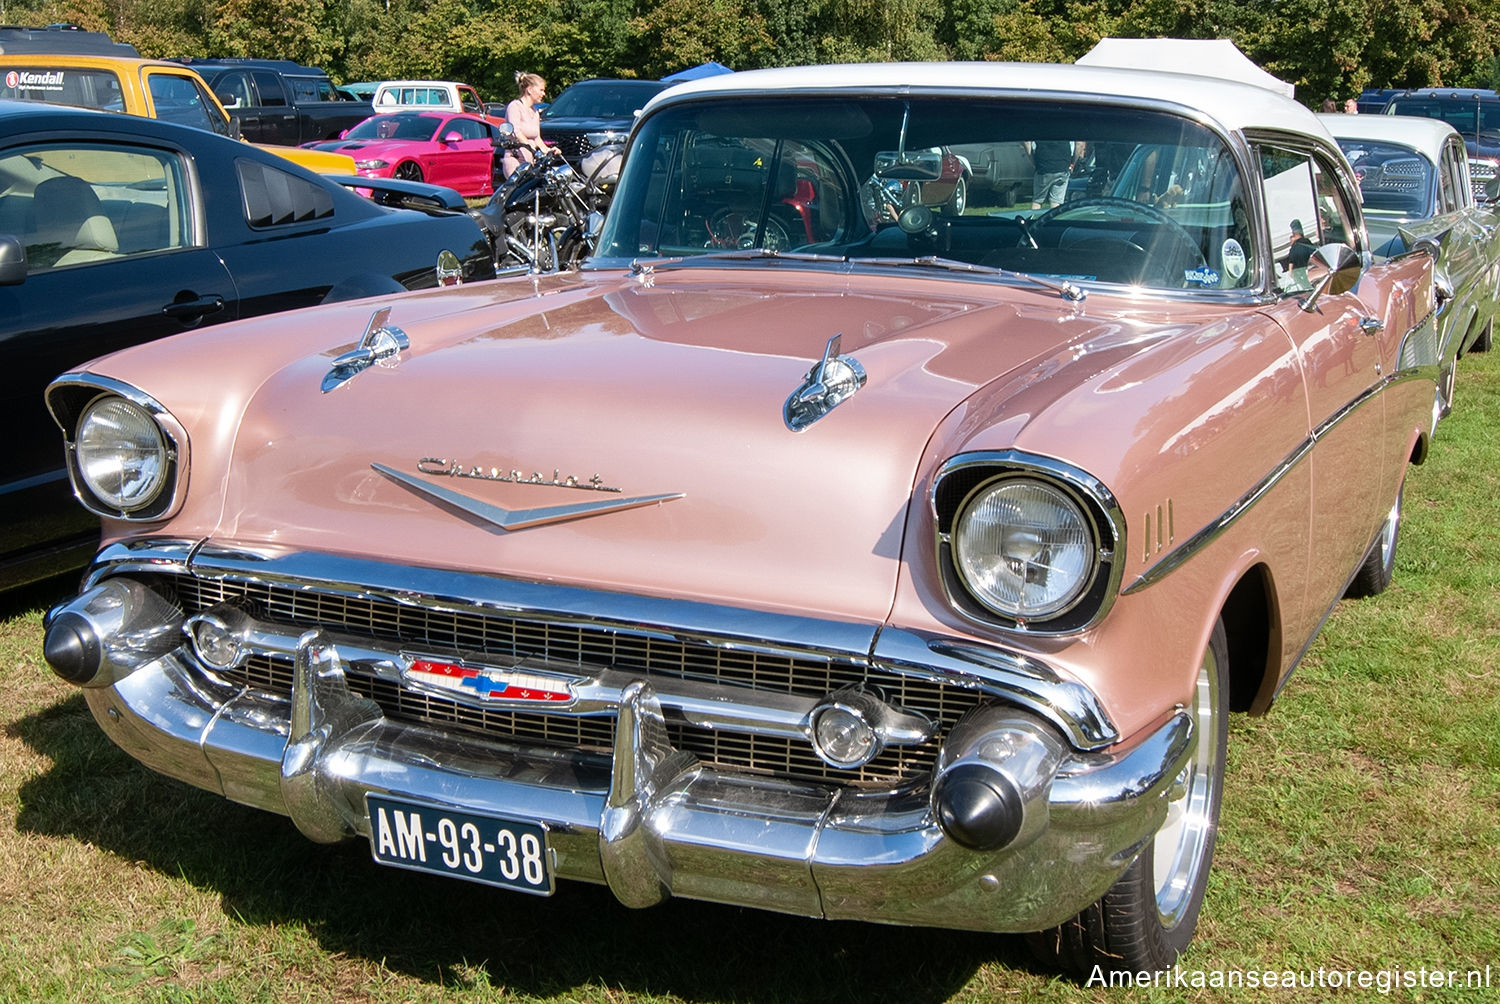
(890, 563)
(84, 69)
(118, 229)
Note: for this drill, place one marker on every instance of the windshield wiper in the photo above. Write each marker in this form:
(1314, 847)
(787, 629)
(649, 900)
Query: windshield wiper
(1065, 289)
(739, 254)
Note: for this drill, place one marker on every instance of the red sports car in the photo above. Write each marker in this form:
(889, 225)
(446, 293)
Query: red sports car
(443, 148)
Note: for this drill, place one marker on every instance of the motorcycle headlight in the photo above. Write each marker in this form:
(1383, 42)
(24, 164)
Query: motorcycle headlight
(123, 458)
(1024, 548)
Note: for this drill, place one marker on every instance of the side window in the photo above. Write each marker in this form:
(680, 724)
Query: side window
(74, 203)
(470, 101)
(304, 89)
(274, 198)
(180, 100)
(272, 94)
(1456, 177)
(1334, 215)
(1291, 201)
(234, 91)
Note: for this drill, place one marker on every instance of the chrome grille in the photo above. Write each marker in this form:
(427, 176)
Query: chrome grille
(583, 644)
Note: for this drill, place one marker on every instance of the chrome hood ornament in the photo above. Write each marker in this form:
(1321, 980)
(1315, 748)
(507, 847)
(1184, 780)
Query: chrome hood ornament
(379, 344)
(519, 519)
(830, 383)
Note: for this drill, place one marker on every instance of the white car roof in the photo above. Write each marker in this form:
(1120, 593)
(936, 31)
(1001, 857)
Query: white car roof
(1423, 134)
(1233, 105)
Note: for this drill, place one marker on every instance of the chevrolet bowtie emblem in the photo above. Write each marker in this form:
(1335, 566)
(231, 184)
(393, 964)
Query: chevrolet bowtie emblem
(519, 519)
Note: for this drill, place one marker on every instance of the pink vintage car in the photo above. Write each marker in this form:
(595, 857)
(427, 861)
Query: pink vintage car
(906, 571)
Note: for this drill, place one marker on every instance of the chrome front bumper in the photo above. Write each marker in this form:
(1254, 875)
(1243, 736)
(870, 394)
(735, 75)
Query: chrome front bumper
(654, 822)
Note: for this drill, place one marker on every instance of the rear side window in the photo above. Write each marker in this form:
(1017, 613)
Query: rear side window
(79, 88)
(272, 94)
(73, 203)
(274, 198)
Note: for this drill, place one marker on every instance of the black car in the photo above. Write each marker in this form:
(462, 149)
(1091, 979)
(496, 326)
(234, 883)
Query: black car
(117, 229)
(599, 106)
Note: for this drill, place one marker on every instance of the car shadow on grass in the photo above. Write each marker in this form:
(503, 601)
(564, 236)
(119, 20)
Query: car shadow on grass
(438, 930)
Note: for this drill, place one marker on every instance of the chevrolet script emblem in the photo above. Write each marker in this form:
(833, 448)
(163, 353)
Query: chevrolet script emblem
(519, 519)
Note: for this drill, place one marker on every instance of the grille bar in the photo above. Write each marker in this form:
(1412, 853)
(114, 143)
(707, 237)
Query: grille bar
(507, 635)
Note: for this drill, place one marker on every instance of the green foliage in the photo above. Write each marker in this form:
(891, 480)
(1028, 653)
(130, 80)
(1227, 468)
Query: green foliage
(1328, 48)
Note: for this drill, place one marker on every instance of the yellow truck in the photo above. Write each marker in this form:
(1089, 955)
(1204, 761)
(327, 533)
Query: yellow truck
(86, 69)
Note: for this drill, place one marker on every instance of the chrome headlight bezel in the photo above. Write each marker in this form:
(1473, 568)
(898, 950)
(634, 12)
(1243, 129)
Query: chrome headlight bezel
(73, 399)
(968, 479)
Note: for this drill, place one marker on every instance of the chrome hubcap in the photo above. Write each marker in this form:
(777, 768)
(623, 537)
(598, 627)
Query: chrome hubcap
(1182, 843)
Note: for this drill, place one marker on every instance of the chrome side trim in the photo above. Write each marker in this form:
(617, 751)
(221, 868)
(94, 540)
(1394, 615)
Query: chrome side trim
(1216, 527)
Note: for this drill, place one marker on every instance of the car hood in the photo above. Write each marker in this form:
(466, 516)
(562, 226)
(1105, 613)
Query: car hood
(369, 146)
(656, 405)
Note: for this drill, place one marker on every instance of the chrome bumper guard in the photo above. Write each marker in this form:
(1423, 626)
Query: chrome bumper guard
(655, 822)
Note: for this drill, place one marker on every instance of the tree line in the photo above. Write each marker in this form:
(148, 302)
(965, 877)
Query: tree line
(1328, 48)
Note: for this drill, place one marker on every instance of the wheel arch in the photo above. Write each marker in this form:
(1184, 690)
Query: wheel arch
(1252, 628)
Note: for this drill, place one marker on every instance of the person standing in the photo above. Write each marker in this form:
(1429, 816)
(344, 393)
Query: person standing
(525, 122)
(1052, 162)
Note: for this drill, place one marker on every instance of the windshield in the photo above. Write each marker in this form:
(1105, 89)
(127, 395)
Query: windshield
(1071, 191)
(403, 125)
(602, 99)
(1393, 180)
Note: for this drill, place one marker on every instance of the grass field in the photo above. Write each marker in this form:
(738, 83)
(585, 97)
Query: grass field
(1360, 833)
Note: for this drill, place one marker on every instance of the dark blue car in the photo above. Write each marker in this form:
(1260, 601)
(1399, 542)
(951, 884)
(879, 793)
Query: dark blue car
(118, 229)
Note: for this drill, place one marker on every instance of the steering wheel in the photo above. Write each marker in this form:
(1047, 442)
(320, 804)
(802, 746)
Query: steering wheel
(1189, 256)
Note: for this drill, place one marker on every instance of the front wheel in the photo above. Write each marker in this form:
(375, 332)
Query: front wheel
(408, 171)
(1146, 919)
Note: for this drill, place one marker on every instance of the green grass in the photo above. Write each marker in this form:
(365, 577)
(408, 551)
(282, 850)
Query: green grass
(1360, 830)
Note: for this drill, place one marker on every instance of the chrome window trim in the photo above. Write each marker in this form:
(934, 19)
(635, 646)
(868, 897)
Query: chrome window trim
(964, 662)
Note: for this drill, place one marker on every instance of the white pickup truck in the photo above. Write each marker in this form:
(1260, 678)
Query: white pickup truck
(433, 94)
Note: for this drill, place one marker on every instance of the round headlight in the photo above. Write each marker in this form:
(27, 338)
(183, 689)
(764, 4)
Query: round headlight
(1024, 548)
(122, 456)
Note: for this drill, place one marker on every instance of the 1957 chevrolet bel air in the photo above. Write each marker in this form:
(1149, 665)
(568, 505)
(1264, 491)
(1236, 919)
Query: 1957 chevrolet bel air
(820, 546)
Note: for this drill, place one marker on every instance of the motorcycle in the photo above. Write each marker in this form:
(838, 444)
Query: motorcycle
(546, 216)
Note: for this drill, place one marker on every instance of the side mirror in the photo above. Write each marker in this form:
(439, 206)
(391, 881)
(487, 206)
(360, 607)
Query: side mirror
(13, 266)
(1345, 266)
(453, 136)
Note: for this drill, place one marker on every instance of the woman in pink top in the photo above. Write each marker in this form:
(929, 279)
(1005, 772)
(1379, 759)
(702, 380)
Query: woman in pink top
(525, 122)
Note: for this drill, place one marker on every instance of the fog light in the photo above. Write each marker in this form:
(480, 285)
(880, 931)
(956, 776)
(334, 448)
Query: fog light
(218, 638)
(845, 730)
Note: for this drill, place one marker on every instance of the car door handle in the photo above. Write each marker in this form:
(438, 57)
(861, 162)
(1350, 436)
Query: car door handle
(192, 310)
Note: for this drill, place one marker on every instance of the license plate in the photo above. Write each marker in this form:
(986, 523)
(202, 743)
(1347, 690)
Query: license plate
(503, 852)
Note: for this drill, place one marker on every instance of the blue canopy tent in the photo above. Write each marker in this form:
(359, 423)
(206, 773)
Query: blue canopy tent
(709, 69)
